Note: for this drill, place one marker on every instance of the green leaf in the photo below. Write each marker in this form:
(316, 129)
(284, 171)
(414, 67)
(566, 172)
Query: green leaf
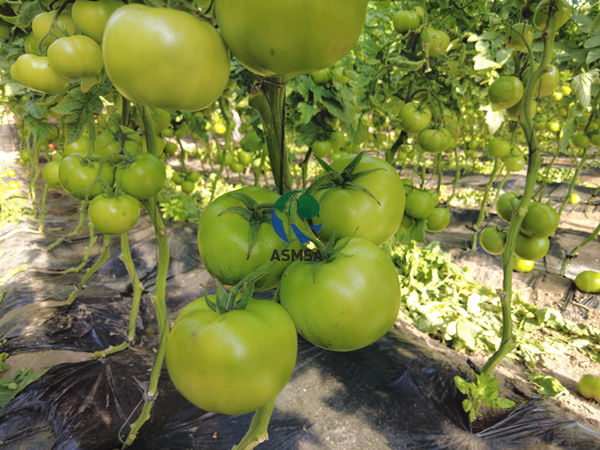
(592, 41)
(593, 55)
(547, 385)
(10, 387)
(307, 112)
(503, 403)
(582, 86)
(80, 109)
(417, 233)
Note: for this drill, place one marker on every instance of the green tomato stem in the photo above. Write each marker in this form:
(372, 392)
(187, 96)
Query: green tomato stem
(76, 230)
(484, 202)
(580, 165)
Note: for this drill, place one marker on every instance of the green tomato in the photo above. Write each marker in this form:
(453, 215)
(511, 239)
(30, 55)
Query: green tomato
(35, 72)
(522, 265)
(514, 162)
(581, 140)
(548, 82)
(322, 148)
(529, 247)
(406, 20)
(588, 281)
(434, 42)
(91, 16)
(505, 92)
(589, 387)
(322, 76)
(337, 139)
(231, 363)
(346, 303)
(514, 38)
(245, 158)
(114, 215)
(292, 38)
(506, 204)
(540, 221)
(348, 211)
(171, 148)
(187, 187)
(143, 178)
(224, 240)
(492, 240)
(414, 117)
(499, 148)
(106, 144)
(50, 174)
(435, 141)
(438, 219)
(79, 146)
(84, 179)
(46, 29)
(561, 8)
(419, 204)
(188, 71)
(75, 57)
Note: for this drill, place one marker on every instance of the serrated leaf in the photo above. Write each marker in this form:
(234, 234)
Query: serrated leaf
(335, 109)
(80, 108)
(307, 112)
(581, 85)
(27, 12)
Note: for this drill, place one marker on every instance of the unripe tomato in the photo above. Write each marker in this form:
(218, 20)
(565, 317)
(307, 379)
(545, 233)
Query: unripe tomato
(514, 112)
(114, 215)
(50, 174)
(322, 148)
(522, 265)
(514, 162)
(506, 204)
(514, 38)
(505, 92)
(435, 141)
(548, 82)
(406, 20)
(414, 117)
(589, 387)
(81, 145)
(35, 72)
(588, 281)
(337, 139)
(434, 42)
(546, 7)
(84, 179)
(438, 219)
(235, 362)
(322, 76)
(44, 21)
(492, 240)
(540, 221)
(143, 178)
(187, 187)
(91, 16)
(292, 38)
(531, 248)
(581, 140)
(75, 57)
(188, 71)
(499, 148)
(419, 204)
(345, 303)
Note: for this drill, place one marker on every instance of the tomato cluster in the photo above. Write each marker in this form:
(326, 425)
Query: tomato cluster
(421, 205)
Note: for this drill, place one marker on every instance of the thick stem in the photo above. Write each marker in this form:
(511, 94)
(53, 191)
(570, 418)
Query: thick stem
(270, 104)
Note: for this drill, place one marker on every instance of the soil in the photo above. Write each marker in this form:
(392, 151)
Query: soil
(544, 286)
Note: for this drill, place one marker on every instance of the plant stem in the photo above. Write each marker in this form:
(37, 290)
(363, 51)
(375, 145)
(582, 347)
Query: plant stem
(484, 202)
(533, 167)
(270, 105)
(580, 165)
(257, 432)
(92, 270)
(75, 231)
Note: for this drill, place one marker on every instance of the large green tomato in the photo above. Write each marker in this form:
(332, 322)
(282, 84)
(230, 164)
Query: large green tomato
(346, 210)
(406, 20)
(414, 117)
(561, 8)
(531, 248)
(36, 73)
(435, 141)
(434, 42)
(506, 205)
(164, 57)
(346, 303)
(50, 174)
(91, 16)
(438, 220)
(231, 363)
(46, 29)
(224, 240)
(114, 215)
(589, 387)
(290, 37)
(499, 148)
(492, 240)
(75, 57)
(84, 179)
(419, 204)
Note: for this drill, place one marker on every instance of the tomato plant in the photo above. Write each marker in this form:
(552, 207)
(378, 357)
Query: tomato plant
(84, 178)
(188, 71)
(414, 117)
(561, 9)
(235, 362)
(346, 303)
(143, 178)
(505, 92)
(75, 57)
(35, 72)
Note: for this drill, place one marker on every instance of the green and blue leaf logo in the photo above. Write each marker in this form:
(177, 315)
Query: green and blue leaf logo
(307, 207)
